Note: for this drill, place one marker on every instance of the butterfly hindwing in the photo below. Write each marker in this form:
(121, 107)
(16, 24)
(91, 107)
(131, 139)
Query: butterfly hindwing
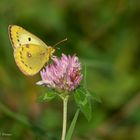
(20, 36)
(31, 58)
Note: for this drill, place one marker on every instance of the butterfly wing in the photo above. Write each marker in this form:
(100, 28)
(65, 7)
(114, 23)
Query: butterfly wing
(20, 36)
(30, 58)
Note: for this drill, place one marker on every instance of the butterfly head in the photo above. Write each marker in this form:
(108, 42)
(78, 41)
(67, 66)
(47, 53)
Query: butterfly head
(51, 50)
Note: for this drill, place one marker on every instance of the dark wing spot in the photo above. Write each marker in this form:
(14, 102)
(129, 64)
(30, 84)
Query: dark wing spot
(29, 55)
(18, 40)
(22, 61)
(26, 65)
(20, 53)
(27, 45)
(30, 67)
(29, 39)
(43, 53)
(10, 34)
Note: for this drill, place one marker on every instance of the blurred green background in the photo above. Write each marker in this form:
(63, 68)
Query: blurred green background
(105, 34)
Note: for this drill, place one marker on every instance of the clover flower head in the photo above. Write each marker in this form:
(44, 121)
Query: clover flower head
(63, 74)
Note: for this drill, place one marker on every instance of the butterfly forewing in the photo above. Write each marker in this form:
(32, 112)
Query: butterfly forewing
(20, 36)
(31, 58)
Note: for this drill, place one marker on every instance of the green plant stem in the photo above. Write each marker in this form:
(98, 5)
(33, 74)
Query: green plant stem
(65, 102)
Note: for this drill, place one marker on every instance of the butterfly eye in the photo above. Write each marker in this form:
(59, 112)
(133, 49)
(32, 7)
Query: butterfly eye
(29, 39)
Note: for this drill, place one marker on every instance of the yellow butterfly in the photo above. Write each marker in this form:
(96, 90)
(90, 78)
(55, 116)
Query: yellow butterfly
(30, 53)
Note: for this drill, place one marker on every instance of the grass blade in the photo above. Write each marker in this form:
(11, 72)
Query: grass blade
(72, 126)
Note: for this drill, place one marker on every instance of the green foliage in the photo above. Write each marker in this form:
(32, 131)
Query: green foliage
(72, 126)
(83, 100)
(93, 96)
(47, 96)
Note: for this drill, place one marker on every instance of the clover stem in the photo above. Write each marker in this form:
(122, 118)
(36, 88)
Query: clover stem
(65, 102)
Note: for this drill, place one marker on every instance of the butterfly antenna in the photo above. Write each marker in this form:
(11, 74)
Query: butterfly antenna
(60, 42)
